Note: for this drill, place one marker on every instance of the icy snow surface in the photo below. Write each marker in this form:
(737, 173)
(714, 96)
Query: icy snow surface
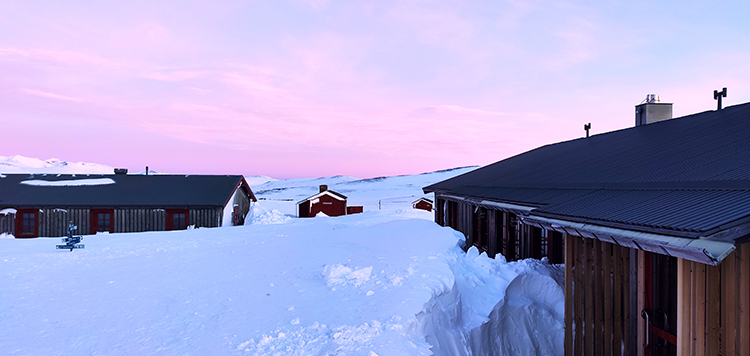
(384, 282)
(68, 182)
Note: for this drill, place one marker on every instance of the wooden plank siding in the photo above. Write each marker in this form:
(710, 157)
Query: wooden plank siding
(53, 222)
(712, 306)
(498, 232)
(597, 297)
(7, 223)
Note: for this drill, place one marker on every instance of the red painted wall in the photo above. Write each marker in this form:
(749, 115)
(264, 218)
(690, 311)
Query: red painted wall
(423, 205)
(354, 209)
(329, 206)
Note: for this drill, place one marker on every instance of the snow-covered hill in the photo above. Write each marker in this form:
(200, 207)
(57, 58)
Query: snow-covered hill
(21, 164)
(384, 282)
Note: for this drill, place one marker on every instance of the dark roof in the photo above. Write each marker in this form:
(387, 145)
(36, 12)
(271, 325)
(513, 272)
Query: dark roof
(686, 176)
(128, 190)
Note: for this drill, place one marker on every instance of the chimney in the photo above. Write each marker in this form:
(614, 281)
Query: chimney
(121, 171)
(323, 188)
(651, 110)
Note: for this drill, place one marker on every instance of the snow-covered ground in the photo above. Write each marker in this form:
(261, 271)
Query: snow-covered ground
(388, 281)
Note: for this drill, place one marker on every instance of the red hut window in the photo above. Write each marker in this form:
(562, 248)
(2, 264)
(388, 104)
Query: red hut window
(102, 220)
(177, 219)
(27, 222)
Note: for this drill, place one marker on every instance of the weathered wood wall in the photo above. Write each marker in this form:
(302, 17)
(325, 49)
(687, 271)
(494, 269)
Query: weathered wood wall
(498, 232)
(713, 306)
(53, 222)
(7, 223)
(242, 200)
(598, 293)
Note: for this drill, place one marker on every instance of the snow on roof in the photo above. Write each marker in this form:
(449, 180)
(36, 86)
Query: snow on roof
(68, 183)
(330, 193)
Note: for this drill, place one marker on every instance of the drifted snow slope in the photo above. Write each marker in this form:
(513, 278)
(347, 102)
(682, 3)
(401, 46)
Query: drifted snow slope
(384, 282)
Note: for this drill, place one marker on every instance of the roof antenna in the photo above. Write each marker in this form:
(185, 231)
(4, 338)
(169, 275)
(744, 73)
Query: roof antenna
(587, 127)
(146, 170)
(718, 95)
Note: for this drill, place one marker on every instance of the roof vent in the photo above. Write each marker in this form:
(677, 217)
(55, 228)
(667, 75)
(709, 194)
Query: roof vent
(652, 110)
(121, 171)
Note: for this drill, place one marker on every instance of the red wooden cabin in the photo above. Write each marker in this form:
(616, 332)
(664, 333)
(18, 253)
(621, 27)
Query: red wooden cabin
(326, 201)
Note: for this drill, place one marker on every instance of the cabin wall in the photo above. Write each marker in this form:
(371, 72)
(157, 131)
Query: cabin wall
(8, 223)
(329, 206)
(713, 306)
(243, 202)
(599, 288)
(53, 222)
(498, 232)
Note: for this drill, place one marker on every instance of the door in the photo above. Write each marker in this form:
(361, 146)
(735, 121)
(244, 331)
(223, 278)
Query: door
(660, 305)
(102, 220)
(177, 219)
(27, 222)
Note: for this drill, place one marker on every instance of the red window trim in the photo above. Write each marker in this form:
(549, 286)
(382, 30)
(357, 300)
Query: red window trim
(19, 223)
(94, 220)
(170, 218)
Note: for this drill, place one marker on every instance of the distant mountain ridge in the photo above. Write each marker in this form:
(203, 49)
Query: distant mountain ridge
(21, 164)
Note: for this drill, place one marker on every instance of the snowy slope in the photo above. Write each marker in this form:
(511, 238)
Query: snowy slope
(21, 164)
(382, 193)
(384, 282)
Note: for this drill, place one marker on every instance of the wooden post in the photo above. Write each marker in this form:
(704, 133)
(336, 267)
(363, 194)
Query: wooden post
(569, 280)
(588, 289)
(579, 293)
(608, 316)
(618, 292)
(700, 309)
(744, 314)
(642, 327)
(713, 310)
(598, 294)
(728, 305)
(683, 306)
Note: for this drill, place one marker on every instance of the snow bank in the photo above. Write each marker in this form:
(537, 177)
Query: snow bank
(497, 308)
(68, 182)
(259, 214)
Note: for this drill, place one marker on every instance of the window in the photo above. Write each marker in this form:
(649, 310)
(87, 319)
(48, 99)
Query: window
(29, 224)
(103, 222)
(178, 221)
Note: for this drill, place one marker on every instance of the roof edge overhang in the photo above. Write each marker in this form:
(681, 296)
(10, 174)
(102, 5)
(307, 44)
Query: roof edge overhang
(517, 209)
(701, 250)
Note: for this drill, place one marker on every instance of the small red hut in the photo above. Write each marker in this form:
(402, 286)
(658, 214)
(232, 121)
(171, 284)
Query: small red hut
(326, 201)
(422, 203)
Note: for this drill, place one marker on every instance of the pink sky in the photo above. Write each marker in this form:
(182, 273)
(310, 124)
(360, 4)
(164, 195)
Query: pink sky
(361, 88)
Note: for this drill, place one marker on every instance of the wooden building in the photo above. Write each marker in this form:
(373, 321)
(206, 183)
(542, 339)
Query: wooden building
(42, 205)
(652, 223)
(326, 201)
(423, 204)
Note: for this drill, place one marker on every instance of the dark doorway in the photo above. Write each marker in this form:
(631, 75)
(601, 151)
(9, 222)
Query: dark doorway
(177, 219)
(661, 304)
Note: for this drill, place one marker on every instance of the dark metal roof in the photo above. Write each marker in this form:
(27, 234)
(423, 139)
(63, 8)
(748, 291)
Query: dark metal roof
(688, 175)
(128, 190)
